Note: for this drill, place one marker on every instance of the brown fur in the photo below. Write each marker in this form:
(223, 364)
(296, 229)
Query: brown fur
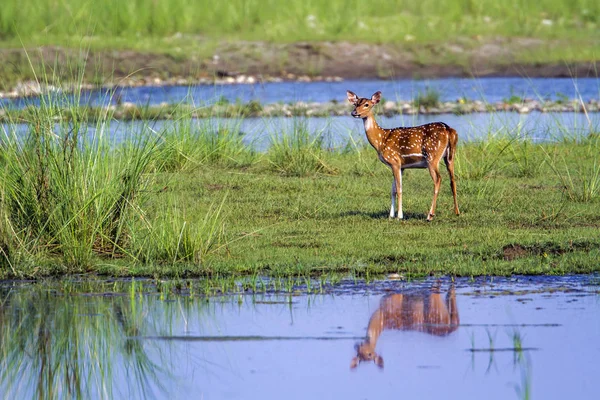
(409, 147)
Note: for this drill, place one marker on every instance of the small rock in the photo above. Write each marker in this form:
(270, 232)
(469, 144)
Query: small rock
(389, 106)
(395, 277)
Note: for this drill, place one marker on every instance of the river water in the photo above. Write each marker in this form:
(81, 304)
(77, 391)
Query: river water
(450, 89)
(493, 338)
(340, 131)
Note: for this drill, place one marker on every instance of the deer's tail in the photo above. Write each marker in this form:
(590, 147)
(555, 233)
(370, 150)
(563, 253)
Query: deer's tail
(452, 142)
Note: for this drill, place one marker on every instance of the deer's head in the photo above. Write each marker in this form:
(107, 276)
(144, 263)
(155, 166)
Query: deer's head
(365, 351)
(362, 106)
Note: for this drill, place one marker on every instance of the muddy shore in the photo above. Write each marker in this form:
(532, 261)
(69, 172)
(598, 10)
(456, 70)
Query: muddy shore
(248, 62)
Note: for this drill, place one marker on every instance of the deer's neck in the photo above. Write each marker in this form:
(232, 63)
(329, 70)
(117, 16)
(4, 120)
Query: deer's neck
(376, 326)
(388, 316)
(376, 135)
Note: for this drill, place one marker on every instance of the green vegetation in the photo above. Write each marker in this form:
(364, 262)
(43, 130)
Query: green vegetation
(424, 103)
(379, 21)
(429, 98)
(194, 200)
(189, 33)
(298, 153)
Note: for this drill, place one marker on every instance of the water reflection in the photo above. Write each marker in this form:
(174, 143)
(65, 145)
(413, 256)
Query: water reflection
(424, 311)
(58, 345)
(152, 339)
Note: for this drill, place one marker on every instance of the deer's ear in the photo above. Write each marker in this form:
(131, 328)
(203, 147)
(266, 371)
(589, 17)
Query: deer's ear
(376, 97)
(354, 362)
(379, 361)
(352, 98)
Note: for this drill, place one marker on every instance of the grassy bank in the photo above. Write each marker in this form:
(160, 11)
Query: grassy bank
(194, 200)
(182, 38)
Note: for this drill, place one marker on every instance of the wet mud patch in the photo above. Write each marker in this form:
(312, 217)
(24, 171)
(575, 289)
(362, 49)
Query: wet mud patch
(297, 244)
(514, 251)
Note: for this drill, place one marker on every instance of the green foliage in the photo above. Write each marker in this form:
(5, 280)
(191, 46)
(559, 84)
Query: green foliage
(580, 175)
(430, 98)
(377, 20)
(189, 144)
(174, 238)
(72, 195)
(65, 192)
(298, 153)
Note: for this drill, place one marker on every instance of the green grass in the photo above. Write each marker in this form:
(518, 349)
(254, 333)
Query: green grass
(68, 194)
(188, 145)
(378, 21)
(320, 223)
(297, 152)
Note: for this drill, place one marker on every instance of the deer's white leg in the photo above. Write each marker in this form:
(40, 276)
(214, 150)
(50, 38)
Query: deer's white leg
(393, 208)
(399, 190)
(396, 191)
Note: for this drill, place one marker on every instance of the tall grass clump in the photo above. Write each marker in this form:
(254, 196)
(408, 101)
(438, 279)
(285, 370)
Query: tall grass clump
(580, 175)
(430, 98)
(188, 144)
(67, 191)
(526, 159)
(172, 238)
(298, 153)
(482, 158)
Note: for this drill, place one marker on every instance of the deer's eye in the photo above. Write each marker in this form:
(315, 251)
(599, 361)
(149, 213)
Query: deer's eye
(366, 105)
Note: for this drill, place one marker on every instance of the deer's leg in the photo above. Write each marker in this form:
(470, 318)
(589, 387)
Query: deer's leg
(393, 208)
(450, 167)
(437, 180)
(452, 308)
(398, 181)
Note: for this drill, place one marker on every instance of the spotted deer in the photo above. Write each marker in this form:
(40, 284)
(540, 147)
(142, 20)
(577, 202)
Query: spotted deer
(409, 147)
(424, 312)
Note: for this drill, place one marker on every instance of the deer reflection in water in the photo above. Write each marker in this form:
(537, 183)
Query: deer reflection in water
(424, 311)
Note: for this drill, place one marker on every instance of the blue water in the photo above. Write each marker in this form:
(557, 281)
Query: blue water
(342, 130)
(450, 89)
(125, 343)
(347, 131)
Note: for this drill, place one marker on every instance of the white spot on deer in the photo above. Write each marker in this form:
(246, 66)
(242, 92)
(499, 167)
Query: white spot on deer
(413, 155)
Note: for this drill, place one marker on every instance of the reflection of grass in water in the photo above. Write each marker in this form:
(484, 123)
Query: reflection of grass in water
(517, 342)
(58, 346)
(520, 359)
(523, 389)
